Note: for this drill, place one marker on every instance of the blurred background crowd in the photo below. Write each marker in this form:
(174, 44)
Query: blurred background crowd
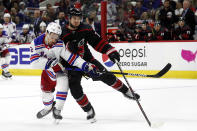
(127, 20)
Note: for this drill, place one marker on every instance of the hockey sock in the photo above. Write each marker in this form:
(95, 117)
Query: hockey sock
(47, 99)
(60, 99)
(84, 103)
(5, 63)
(4, 67)
(120, 86)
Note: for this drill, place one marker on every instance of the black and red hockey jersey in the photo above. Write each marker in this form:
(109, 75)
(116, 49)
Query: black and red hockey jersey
(183, 33)
(76, 41)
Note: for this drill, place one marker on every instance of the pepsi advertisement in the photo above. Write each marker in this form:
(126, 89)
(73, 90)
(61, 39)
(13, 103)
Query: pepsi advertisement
(152, 56)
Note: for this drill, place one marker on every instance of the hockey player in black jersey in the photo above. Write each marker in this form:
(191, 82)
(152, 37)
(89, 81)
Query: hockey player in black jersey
(159, 32)
(76, 35)
(183, 31)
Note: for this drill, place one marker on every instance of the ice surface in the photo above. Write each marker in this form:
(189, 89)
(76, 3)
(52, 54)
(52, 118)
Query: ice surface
(170, 101)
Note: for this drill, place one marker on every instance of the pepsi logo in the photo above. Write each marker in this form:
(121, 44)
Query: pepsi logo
(107, 61)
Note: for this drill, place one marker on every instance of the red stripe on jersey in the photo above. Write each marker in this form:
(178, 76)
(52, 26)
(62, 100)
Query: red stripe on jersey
(99, 44)
(85, 30)
(72, 59)
(100, 49)
(34, 57)
(65, 36)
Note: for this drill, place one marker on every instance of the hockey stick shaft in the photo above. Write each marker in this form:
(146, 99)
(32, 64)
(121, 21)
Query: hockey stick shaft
(159, 74)
(142, 110)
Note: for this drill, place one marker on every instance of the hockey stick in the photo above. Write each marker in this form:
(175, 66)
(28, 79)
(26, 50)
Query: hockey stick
(158, 75)
(142, 110)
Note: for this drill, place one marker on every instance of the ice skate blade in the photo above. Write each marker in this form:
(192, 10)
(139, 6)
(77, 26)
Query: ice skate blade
(6, 78)
(157, 124)
(57, 121)
(93, 120)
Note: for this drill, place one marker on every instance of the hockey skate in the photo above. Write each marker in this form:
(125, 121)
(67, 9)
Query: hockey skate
(57, 115)
(44, 112)
(91, 115)
(129, 95)
(6, 75)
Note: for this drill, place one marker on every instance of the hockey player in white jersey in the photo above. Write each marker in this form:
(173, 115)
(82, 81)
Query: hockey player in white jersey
(26, 36)
(4, 53)
(46, 51)
(9, 26)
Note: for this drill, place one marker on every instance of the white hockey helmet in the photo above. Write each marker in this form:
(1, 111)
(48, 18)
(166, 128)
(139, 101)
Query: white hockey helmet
(54, 27)
(25, 26)
(43, 24)
(1, 26)
(7, 15)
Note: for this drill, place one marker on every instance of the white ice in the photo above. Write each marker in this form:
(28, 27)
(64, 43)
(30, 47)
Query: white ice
(170, 101)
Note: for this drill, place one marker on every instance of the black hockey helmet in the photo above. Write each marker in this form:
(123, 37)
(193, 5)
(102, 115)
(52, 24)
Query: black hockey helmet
(74, 12)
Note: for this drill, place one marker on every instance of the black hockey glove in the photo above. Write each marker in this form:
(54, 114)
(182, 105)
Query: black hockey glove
(114, 56)
(51, 63)
(100, 68)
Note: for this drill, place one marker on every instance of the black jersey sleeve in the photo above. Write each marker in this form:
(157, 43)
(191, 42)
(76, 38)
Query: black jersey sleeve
(97, 42)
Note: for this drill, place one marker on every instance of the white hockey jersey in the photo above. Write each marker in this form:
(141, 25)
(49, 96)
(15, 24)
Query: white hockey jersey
(41, 53)
(4, 40)
(10, 28)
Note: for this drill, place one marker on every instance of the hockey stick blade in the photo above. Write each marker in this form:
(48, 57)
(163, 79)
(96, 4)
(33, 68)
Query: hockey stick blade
(158, 75)
(162, 72)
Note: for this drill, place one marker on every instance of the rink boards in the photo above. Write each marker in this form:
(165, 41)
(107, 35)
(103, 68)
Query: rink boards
(138, 57)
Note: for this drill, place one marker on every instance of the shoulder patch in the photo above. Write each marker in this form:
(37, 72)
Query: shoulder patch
(39, 40)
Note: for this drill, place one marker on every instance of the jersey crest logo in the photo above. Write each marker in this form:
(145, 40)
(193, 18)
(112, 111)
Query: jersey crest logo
(81, 47)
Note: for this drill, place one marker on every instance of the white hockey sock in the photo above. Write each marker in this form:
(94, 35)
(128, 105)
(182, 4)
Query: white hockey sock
(47, 98)
(5, 63)
(60, 99)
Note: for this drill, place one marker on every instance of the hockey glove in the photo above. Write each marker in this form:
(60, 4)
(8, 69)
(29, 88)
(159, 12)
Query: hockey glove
(100, 68)
(90, 69)
(54, 64)
(114, 56)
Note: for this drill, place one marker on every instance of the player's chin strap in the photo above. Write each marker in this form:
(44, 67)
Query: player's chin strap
(142, 110)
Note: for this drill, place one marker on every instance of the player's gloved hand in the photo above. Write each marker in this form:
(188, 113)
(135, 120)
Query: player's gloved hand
(100, 68)
(90, 68)
(114, 56)
(54, 64)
